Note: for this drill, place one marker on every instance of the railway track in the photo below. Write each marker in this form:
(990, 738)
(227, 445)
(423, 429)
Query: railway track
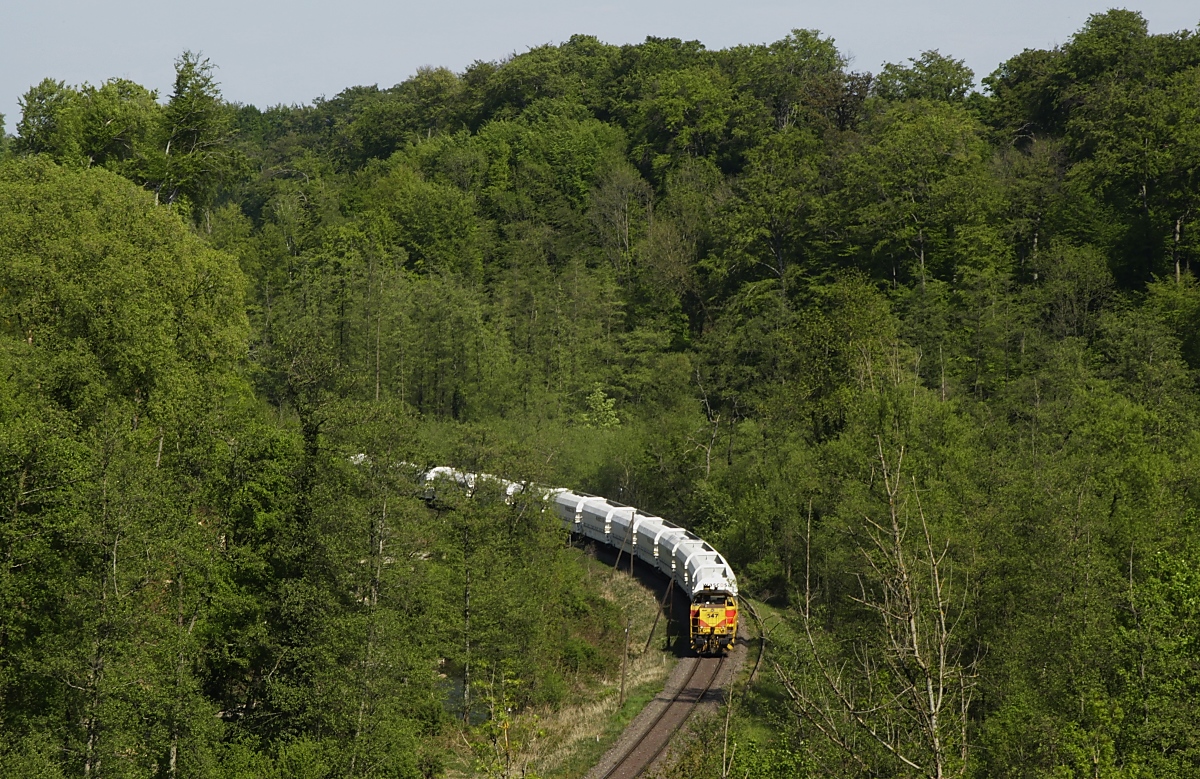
(643, 751)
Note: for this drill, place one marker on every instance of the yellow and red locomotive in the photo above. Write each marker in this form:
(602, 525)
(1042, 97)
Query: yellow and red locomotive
(712, 622)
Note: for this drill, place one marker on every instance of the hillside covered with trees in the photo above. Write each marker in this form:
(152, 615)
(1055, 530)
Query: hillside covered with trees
(920, 359)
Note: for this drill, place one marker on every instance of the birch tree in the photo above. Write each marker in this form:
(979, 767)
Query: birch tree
(895, 700)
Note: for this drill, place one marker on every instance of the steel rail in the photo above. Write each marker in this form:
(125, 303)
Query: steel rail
(675, 700)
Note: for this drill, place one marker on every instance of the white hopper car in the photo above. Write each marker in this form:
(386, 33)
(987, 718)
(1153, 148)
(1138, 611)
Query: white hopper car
(693, 565)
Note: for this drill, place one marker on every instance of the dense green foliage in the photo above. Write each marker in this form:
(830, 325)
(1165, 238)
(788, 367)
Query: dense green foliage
(900, 349)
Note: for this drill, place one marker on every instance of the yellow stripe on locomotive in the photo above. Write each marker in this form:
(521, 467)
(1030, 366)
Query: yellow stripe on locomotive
(713, 622)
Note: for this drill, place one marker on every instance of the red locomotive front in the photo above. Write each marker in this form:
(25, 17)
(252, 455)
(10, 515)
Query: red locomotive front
(713, 622)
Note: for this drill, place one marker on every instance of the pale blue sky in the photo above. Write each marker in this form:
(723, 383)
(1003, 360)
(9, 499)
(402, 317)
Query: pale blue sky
(272, 52)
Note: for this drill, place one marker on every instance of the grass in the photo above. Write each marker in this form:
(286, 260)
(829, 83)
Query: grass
(567, 741)
(765, 695)
(600, 733)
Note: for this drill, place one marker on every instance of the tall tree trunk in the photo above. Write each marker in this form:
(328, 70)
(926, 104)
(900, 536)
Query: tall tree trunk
(910, 691)
(467, 626)
(1175, 250)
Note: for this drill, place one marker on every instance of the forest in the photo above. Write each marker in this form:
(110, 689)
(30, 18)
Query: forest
(919, 357)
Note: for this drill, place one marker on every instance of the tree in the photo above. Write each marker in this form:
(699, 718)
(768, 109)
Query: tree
(49, 115)
(180, 150)
(881, 665)
(433, 224)
(127, 329)
(932, 77)
(143, 304)
(5, 140)
(682, 113)
(620, 209)
(800, 79)
(917, 198)
(118, 122)
(194, 153)
(766, 228)
(1143, 152)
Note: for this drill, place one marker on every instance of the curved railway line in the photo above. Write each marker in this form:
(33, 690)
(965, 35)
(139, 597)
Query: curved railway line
(641, 753)
(687, 561)
(636, 757)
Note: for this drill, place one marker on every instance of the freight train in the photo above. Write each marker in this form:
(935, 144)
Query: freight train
(692, 564)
